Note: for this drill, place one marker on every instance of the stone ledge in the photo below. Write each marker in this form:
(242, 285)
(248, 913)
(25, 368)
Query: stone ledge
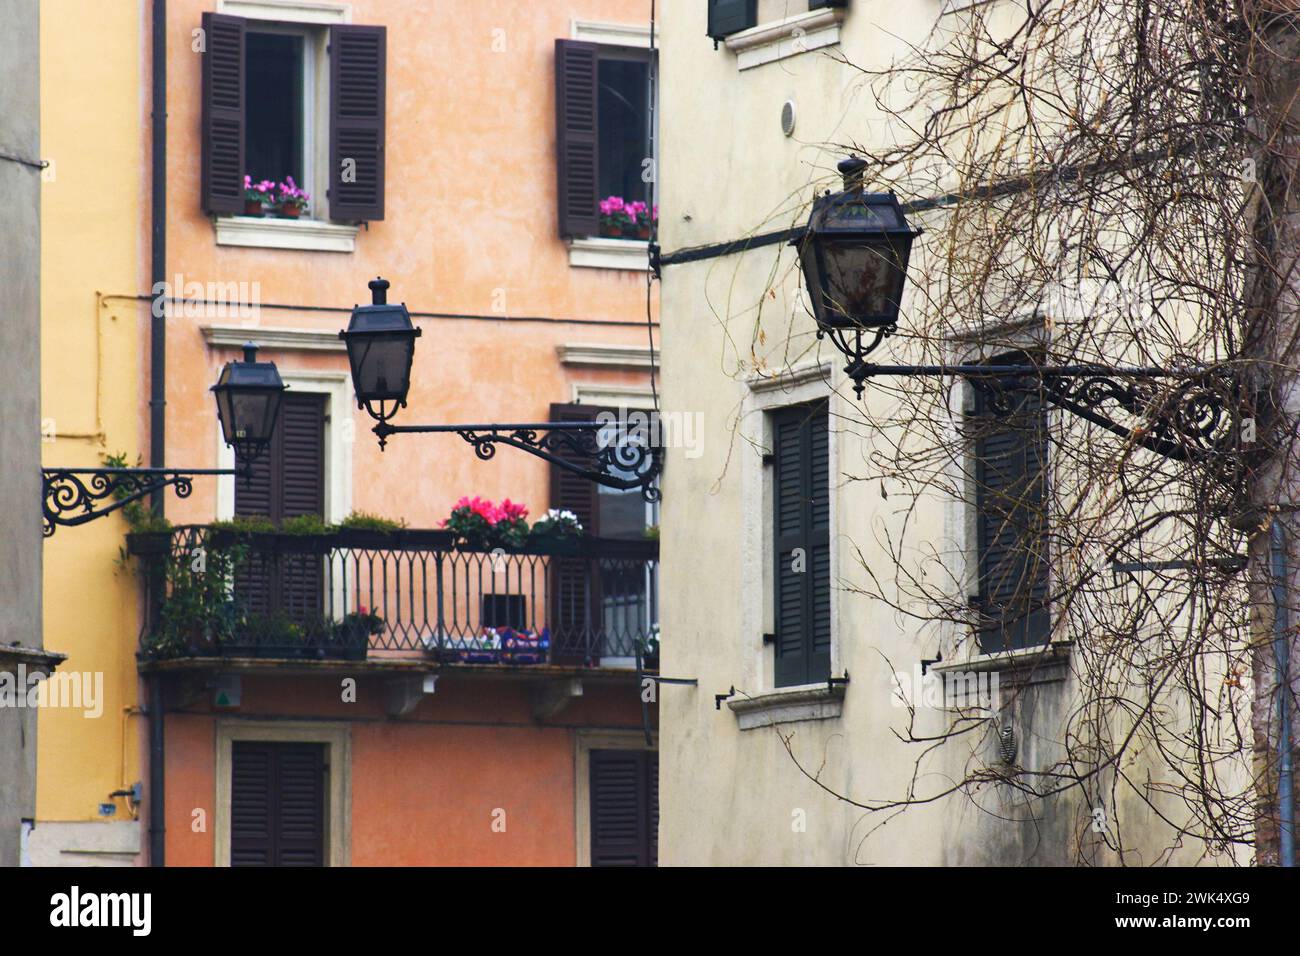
(815, 702)
(302, 235)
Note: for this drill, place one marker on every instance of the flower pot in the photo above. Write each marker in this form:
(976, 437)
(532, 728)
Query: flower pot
(253, 207)
(643, 232)
(611, 232)
(290, 212)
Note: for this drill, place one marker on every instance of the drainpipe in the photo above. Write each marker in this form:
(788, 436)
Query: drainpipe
(157, 396)
(1282, 662)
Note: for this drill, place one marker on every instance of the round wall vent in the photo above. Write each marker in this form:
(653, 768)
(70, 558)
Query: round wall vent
(787, 117)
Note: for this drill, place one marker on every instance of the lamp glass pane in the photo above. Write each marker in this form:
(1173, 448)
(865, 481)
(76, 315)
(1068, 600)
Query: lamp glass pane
(861, 280)
(381, 365)
(251, 415)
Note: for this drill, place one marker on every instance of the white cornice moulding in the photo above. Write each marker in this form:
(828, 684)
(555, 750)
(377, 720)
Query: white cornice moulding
(301, 235)
(598, 253)
(614, 34)
(779, 39)
(613, 396)
(619, 356)
(803, 374)
(284, 340)
(288, 11)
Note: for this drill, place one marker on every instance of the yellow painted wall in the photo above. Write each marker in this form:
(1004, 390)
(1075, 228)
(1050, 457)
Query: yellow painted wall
(95, 244)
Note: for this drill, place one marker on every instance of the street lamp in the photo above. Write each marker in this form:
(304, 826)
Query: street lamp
(248, 395)
(854, 253)
(380, 339)
(381, 348)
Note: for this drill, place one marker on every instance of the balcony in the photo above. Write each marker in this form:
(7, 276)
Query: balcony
(406, 595)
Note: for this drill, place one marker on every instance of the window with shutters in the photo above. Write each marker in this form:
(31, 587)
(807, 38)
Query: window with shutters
(604, 138)
(277, 804)
(624, 787)
(1009, 454)
(800, 460)
(288, 99)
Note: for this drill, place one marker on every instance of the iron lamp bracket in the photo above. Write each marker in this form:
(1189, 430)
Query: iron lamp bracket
(607, 453)
(73, 496)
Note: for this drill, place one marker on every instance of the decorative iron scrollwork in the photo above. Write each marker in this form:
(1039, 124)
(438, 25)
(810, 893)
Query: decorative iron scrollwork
(70, 495)
(1188, 414)
(604, 452)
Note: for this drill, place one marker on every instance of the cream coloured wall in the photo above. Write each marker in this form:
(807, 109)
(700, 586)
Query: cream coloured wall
(736, 796)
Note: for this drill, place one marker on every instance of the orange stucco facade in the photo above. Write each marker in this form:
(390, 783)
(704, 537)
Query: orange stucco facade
(470, 230)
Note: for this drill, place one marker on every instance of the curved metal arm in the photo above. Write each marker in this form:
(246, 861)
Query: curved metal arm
(69, 495)
(587, 449)
(1201, 416)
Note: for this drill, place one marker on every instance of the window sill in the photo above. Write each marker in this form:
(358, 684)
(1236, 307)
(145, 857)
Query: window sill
(312, 235)
(1049, 663)
(789, 705)
(769, 42)
(599, 253)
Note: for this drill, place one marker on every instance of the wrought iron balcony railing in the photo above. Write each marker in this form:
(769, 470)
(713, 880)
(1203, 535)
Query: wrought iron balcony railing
(355, 594)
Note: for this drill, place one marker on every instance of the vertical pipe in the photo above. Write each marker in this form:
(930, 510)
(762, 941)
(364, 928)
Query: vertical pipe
(1282, 661)
(157, 394)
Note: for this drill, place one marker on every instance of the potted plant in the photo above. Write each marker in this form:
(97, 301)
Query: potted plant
(557, 527)
(291, 202)
(638, 216)
(351, 636)
(257, 196)
(614, 219)
(478, 523)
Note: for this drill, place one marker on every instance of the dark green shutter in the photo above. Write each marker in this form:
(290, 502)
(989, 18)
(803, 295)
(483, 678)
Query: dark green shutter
(358, 95)
(801, 526)
(731, 16)
(576, 137)
(624, 808)
(221, 146)
(1010, 497)
(277, 804)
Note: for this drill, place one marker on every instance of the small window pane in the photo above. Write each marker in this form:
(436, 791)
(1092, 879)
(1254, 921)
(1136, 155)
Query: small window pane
(624, 125)
(274, 107)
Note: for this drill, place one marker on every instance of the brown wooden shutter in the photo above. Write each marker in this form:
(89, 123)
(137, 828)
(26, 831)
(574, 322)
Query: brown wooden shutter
(577, 156)
(222, 134)
(575, 582)
(288, 481)
(277, 804)
(302, 492)
(624, 808)
(358, 67)
(1010, 495)
(801, 526)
